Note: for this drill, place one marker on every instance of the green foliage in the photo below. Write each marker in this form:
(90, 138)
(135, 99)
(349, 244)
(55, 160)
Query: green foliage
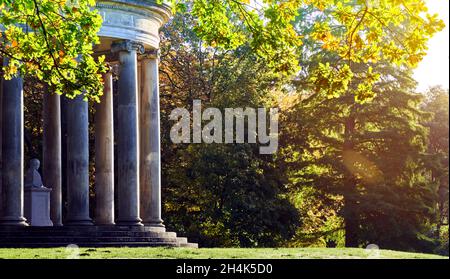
(437, 103)
(217, 194)
(443, 241)
(355, 31)
(371, 156)
(228, 197)
(53, 42)
(321, 224)
(355, 159)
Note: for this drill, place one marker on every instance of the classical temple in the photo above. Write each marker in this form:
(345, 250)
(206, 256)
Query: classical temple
(130, 40)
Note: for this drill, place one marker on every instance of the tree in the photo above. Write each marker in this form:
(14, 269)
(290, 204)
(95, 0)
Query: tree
(357, 31)
(53, 41)
(370, 155)
(437, 103)
(219, 194)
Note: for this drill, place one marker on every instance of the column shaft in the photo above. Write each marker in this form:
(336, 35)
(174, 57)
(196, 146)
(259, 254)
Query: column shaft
(52, 154)
(77, 173)
(150, 144)
(1, 160)
(104, 155)
(127, 138)
(12, 153)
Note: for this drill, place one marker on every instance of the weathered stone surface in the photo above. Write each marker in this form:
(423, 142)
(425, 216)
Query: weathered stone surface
(90, 236)
(12, 153)
(37, 197)
(132, 20)
(104, 156)
(1, 160)
(37, 206)
(127, 139)
(77, 166)
(150, 142)
(52, 155)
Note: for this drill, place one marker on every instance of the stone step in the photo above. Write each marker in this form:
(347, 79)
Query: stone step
(182, 240)
(81, 228)
(90, 234)
(189, 245)
(32, 239)
(90, 244)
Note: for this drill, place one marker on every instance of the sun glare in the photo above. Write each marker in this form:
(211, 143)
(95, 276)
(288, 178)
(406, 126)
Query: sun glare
(434, 69)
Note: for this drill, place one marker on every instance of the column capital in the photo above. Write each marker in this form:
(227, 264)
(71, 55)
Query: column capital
(152, 54)
(128, 46)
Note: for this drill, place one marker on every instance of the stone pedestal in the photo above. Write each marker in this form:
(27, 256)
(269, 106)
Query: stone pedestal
(37, 206)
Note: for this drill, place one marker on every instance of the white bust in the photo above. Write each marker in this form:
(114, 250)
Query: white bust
(33, 178)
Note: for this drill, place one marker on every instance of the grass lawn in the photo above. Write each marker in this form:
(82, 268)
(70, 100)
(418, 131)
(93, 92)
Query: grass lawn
(208, 253)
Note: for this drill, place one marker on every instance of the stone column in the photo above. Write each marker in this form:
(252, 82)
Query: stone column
(104, 155)
(150, 142)
(12, 153)
(127, 138)
(52, 154)
(77, 172)
(1, 160)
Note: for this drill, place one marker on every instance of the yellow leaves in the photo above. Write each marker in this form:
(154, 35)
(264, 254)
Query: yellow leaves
(418, 6)
(61, 2)
(32, 66)
(50, 56)
(331, 81)
(371, 55)
(373, 37)
(396, 31)
(414, 59)
(322, 32)
(61, 57)
(12, 70)
(319, 4)
(284, 101)
(357, 42)
(330, 42)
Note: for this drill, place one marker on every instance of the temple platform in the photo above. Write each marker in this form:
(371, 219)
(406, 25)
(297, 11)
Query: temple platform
(89, 236)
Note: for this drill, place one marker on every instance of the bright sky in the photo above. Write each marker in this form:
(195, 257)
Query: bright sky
(434, 69)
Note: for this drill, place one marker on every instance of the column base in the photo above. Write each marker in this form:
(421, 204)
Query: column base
(79, 222)
(154, 223)
(104, 224)
(130, 222)
(13, 221)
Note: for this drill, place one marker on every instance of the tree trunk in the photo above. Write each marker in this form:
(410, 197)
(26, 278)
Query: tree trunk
(350, 200)
(351, 223)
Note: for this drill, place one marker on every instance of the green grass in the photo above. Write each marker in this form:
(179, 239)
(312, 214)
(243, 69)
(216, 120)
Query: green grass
(213, 253)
